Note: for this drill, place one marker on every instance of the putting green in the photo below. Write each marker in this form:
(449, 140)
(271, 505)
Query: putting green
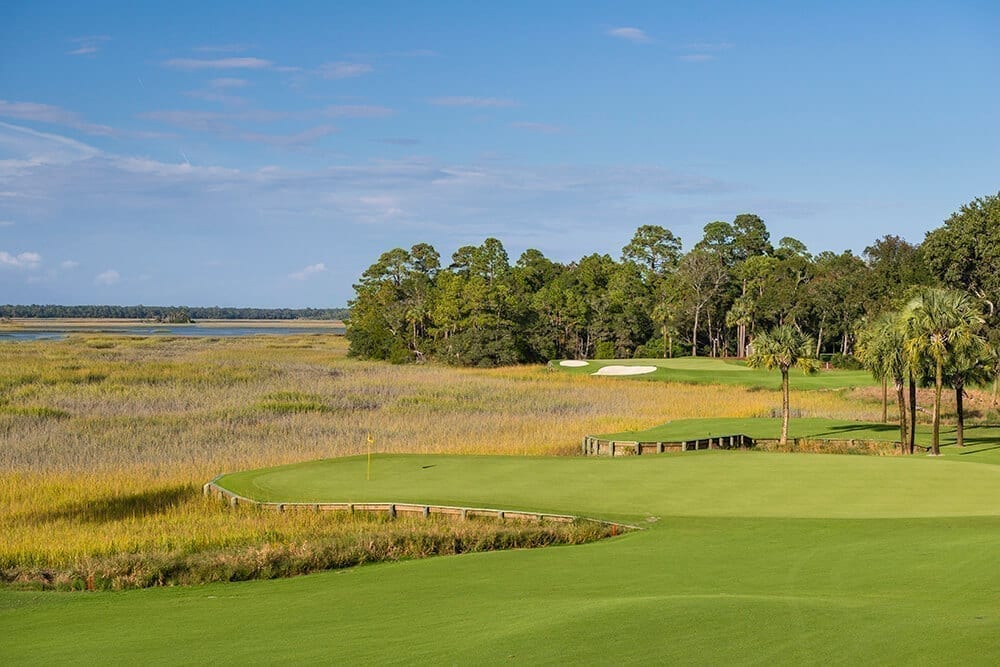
(754, 558)
(731, 484)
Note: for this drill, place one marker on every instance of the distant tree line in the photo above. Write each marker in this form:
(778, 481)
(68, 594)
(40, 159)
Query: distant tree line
(173, 313)
(655, 300)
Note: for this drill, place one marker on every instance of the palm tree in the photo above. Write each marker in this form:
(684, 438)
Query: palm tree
(880, 350)
(939, 324)
(783, 347)
(974, 364)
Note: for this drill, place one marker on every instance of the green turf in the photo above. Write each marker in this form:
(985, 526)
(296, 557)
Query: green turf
(753, 558)
(706, 370)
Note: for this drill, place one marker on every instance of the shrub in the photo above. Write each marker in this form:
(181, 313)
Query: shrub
(605, 350)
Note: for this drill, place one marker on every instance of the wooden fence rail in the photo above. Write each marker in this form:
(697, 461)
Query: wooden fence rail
(594, 446)
(404, 509)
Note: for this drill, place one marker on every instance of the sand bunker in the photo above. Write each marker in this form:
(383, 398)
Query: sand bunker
(625, 370)
(572, 363)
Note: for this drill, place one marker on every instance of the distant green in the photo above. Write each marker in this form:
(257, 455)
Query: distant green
(747, 558)
(708, 370)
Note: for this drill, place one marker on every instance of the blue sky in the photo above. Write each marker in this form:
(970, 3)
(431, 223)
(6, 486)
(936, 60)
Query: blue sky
(260, 154)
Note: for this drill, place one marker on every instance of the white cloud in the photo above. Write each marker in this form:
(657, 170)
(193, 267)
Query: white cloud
(6, 223)
(69, 265)
(228, 82)
(631, 34)
(24, 260)
(218, 63)
(87, 45)
(109, 277)
(469, 101)
(544, 128)
(343, 70)
(308, 271)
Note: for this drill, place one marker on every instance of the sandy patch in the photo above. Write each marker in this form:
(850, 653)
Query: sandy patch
(625, 370)
(572, 363)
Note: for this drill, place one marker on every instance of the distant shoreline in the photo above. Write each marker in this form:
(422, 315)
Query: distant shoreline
(29, 323)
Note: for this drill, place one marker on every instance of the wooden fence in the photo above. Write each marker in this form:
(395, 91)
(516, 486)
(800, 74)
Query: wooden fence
(593, 446)
(404, 509)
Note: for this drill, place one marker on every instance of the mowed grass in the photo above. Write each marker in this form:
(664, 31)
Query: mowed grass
(748, 558)
(707, 370)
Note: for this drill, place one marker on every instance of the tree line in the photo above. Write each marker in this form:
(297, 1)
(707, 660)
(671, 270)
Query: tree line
(655, 300)
(172, 313)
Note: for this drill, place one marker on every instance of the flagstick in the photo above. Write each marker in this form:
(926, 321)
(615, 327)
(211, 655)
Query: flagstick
(368, 474)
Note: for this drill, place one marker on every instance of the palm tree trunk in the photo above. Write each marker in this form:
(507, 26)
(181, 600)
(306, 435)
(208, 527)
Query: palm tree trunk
(784, 406)
(960, 409)
(885, 400)
(898, 383)
(912, 435)
(936, 433)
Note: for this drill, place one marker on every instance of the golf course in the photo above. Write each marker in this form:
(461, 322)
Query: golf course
(743, 557)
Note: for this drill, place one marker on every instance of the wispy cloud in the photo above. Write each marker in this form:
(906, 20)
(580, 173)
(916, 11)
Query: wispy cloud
(6, 223)
(53, 115)
(543, 128)
(702, 52)
(398, 141)
(470, 101)
(218, 63)
(343, 70)
(24, 260)
(227, 123)
(308, 272)
(356, 111)
(86, 46)
(696, 57)
(297, 140)
(69, 265)
(418, 197)
(631, 34)
(227, 82)
(109, 277)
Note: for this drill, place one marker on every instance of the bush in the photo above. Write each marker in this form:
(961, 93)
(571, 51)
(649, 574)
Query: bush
(605, 350)
(845, 361)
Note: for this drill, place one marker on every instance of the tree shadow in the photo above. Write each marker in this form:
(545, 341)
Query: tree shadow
(118, 507)
(851, 428)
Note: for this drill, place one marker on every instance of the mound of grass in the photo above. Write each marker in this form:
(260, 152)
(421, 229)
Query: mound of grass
(291, 402)
(692, 484)
(34, 412)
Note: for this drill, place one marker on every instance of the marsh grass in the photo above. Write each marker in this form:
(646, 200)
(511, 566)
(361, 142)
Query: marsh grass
(106, 441)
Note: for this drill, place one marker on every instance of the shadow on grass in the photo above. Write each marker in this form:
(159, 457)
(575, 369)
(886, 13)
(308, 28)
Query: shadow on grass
(853, 428)
(115, 508)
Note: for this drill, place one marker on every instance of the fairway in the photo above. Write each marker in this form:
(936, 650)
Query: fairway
(708, 370)
(747, 558)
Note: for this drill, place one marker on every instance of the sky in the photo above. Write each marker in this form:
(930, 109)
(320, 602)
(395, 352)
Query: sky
(265, 154)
